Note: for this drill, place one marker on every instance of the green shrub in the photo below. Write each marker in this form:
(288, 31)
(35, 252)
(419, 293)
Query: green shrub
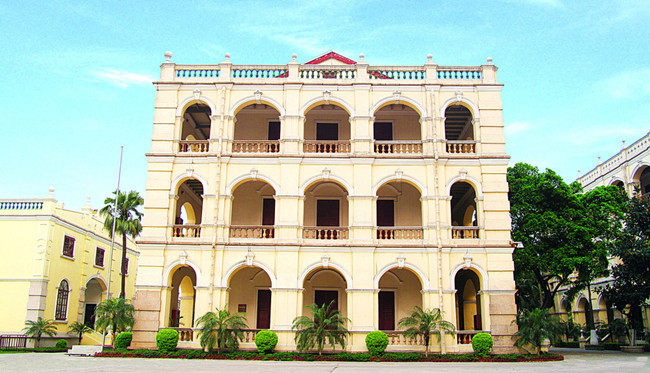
(166, 340)
(61, 343)
(376, 342)
(266, 340)
(482, 344)
(123, 340)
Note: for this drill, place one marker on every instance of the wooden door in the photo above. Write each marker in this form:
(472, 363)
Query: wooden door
(327, 213)
(327, 131)
(386, 310)
(326, 297)
(385, 213)
(263, 309)
(383, 131)
(268, 211)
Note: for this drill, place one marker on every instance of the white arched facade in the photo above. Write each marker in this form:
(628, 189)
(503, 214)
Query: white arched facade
(411, 180)
(316, 265)
(454, 100)
(478, 268)
(178, 180)
(639, 166)
(249, 177)
(322, 177)
(193, 100)
(468, 179)
(182, 263)
(253, 99)
(413, 268)
(244, 263)
(391, 99)
(337, 100)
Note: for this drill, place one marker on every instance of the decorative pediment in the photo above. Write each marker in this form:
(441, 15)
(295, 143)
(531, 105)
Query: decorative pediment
(331, 58)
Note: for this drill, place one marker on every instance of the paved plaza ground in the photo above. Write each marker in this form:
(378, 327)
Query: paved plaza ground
(576, 361)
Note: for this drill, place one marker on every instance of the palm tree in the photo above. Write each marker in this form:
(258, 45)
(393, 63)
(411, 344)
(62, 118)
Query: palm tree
(115, 314)
(79, 329)
(127, 223)
(424, 322)
(535, 326)
(221, 328)
(326, 323)
(36, 329)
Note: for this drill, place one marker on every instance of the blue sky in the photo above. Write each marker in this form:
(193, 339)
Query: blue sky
(77, 77)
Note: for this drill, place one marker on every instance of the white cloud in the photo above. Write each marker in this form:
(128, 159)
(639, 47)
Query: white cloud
(121, 78)
(627, 84)
(516, 128)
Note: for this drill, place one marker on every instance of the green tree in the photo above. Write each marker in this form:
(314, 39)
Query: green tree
(127, 223)
(221, 328)
(424, 322)
(631, 286)
(536, 326)
(79, 329)
(115, 314)
(326, 324)
(563, 233)
(36, 329)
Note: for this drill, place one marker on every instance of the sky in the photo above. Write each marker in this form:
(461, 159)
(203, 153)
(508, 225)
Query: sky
(77, 75)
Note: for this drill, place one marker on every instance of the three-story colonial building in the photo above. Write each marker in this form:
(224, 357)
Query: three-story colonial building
(380, 188)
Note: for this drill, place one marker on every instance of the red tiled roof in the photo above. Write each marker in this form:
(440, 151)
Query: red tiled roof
(328, 55)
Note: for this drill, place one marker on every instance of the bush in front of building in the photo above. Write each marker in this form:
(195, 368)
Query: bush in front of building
(61, 343)
(482, 344)
(166, 340)
(376, 342)
(266, 340)
(123, 340)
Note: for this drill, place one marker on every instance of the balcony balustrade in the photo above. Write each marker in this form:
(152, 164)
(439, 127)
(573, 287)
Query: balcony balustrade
(325, 233)
(464, 232)
(184, 334)
(461, 147)
(398, 147)
(261, 231)
(255, 146)
(193, 146)
(400, 233)
(186, 231)
(464, 337)
(397, 338)
(315, 146)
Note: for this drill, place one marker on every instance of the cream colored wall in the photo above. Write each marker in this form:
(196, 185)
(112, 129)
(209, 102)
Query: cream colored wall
(338, 115)
(324, 279)
(407, 288)
(248, 201)
(243, 290)
(406, 121)
(408, 207)
(325, 191)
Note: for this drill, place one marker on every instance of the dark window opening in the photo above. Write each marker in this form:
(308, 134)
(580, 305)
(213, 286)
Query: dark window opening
(325, 297)
(383, 131)
(99, 257)
(89, 315)
(327, 131)
(327, 213)
(386, 310)
(263, 309)
(62, 301)
(268, 211)
(385, 213)
(274, 131)
(68, 246)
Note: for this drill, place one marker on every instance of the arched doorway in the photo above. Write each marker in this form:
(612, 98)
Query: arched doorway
(324, 286)
(253, 210)
(399, 211)
(464, 217)
(400, 290)
(468, 300)
(581, 312)
(94, 294)
(396, 129)
(195, 128)
(642, 179)
(459, 130)
(257, 129)
(327, 129)
(189, 209)
(182, 297)
(325, 211)
(250, 293)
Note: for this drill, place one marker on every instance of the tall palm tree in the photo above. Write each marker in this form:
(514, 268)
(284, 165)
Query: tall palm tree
(127, 223)
(115, 314)
(424, 322)
(535, 326)
(221, 328)
(79, 329)
(36, 329)
(326, 324)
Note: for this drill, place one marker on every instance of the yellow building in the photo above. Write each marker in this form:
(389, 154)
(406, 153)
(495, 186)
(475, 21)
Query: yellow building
(56, 265)
(629, 169)
(380, 188)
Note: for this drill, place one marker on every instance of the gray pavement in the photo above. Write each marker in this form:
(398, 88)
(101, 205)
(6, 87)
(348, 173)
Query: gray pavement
(575, 361)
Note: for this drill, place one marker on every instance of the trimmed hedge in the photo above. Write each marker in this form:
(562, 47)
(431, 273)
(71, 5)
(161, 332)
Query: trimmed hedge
(123, 340)
(376, 342)
(166, 340)
(266, 340)
(61, 343)
(482, 344)
(40, 349)
(345, 356)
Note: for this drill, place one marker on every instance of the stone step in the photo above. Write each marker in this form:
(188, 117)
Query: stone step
(79, 350)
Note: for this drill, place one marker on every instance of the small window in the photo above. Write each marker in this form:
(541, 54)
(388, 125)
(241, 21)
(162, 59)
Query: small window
(62, 301)
(68, 246)
(99, 257)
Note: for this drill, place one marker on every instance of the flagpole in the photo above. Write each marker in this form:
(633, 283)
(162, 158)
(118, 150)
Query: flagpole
(110, 261)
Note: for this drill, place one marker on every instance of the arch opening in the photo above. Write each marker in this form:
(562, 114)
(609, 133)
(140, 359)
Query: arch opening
(399, 293)
(399, 211)
(257, 129)
(396, 129)
(189, 209)
(250, 293)
(468, 300)
(325, 211)
(62, 294)
(327, 129)
(325, 286)
(94, 294)
(581, 312)
(459, 129)
(182, 297)
(642, 180)
(195, 128)
(253, 210)
(464, 219)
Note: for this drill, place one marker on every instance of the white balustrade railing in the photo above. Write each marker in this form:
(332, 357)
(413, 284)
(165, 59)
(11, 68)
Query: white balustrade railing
(252, 231)
(400, 233)
(461, 147)
(398, 147)
(464, 232)
(325, 233)
(193, 146)
(317, 146)
(186, 231)
(397, 72)
(255, 146)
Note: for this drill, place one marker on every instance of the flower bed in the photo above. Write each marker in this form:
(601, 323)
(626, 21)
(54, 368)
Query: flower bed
(345, 356)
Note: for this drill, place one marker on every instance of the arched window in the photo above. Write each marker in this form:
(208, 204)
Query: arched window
(62, 301)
